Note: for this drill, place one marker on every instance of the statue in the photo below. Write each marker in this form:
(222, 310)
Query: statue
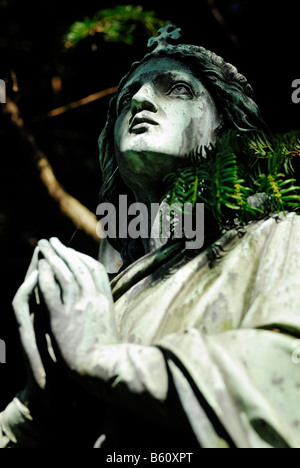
(176, 350)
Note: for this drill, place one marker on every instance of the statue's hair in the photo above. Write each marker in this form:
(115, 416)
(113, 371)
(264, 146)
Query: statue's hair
(233, 97)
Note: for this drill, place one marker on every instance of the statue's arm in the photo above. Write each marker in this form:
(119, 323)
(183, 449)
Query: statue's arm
(17, 426)
(85, 335)
(78, 297)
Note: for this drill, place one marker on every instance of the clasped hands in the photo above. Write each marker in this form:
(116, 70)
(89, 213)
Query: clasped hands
(78, 305)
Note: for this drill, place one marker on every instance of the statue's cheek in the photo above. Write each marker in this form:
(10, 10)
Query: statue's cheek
(121, 127)
(191, 136)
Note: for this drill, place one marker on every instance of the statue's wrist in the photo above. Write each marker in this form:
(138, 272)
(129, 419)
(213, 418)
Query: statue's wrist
(31, 402)
(24, 398)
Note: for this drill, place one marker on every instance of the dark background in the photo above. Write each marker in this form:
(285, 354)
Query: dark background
(266, 51)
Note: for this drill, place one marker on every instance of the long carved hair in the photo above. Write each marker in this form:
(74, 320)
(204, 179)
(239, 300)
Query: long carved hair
(233, 97)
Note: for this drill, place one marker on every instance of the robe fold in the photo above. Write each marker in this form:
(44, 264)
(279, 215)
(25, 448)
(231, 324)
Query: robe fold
(221, 328)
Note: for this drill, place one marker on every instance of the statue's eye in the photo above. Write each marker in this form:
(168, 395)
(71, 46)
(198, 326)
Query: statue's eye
(125, 101)
(181, 89)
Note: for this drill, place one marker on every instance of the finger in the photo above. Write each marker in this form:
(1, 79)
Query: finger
(24, 293)
(27, 335)
(59, 315)
(78, 268)
(34, 263)
(49, 287)
(62, 273)
(99, 274)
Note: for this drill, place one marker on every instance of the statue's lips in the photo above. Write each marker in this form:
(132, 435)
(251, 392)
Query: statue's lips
(140, 123)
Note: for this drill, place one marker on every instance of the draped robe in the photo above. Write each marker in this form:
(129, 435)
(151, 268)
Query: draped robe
(220, 330)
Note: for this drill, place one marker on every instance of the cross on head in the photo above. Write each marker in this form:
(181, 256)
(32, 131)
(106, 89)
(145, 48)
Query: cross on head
(167, 35)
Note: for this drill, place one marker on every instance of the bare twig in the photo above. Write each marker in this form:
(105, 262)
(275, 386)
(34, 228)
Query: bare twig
(74, 105)
(221, 20)
(81, 217)
(15, 87)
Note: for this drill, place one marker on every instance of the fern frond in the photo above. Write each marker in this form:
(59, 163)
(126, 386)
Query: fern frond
(237, 170)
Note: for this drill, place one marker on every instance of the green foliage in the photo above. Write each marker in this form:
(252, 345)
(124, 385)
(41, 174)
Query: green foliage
(241, 178)
(119, 24)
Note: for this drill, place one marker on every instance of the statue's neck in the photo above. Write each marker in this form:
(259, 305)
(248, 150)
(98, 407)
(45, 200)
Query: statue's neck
(151, 200)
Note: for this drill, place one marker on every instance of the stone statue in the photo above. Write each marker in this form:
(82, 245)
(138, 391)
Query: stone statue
(176, 351)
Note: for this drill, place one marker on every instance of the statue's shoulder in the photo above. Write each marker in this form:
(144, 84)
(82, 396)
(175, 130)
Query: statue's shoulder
(277, 220)
(291, 220)
(276, 237)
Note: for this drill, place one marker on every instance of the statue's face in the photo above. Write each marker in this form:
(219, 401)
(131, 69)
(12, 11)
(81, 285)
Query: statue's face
(164, 112)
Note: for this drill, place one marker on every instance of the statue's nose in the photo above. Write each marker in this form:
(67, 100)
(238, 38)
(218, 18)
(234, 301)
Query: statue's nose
(144, 99)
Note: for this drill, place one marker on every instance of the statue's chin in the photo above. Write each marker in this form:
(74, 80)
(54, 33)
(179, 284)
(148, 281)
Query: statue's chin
(147, 167)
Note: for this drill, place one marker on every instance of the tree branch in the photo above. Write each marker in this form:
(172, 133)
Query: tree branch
(221, 20)
(81, 217)
(74, 105)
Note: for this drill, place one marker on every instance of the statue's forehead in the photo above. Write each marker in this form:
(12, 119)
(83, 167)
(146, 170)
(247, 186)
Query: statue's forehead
(156, 66)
